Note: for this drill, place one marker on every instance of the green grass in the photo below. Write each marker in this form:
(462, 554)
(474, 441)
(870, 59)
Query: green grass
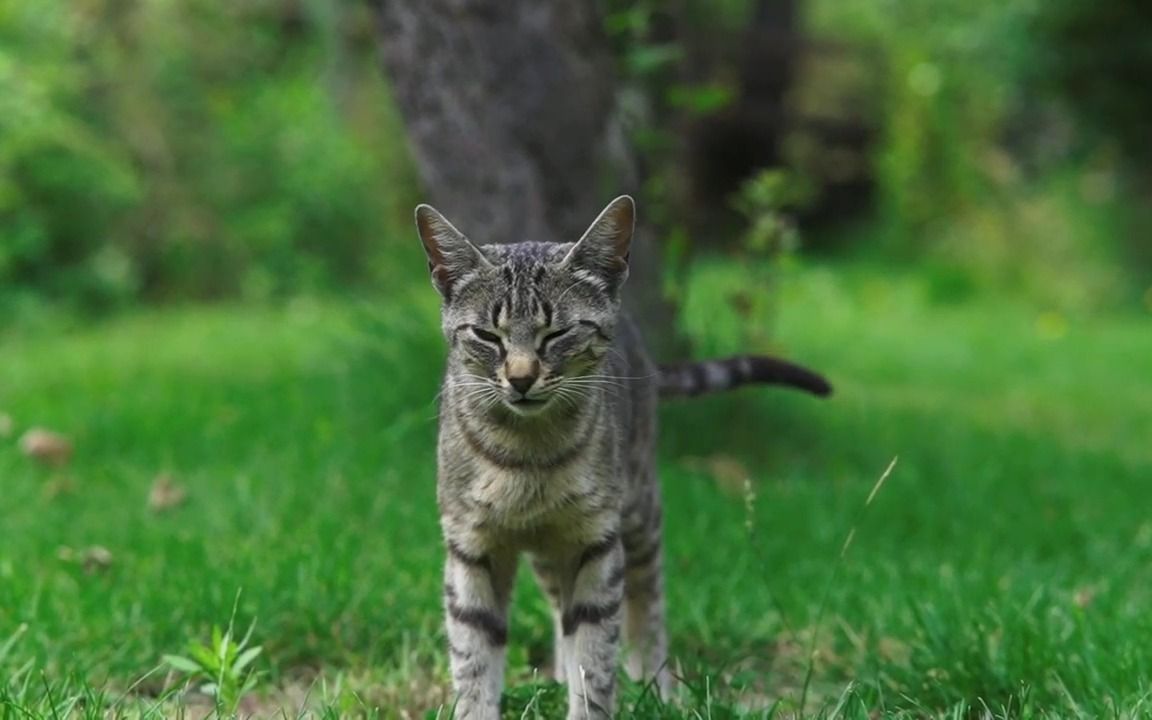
(1006, 564)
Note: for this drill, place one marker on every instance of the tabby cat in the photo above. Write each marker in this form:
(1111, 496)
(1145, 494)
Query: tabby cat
(546, 447)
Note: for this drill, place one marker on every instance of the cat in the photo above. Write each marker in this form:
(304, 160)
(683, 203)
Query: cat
(546, 447)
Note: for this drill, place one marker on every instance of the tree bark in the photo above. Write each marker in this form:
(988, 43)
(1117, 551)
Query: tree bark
(510, 107)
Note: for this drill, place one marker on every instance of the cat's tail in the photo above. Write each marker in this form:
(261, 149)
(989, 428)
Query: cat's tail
(696, 378)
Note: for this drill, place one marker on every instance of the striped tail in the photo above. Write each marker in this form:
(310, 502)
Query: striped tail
(716, 375)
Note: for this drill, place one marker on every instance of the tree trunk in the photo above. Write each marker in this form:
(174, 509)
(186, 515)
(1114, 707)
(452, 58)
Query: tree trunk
(510, 107)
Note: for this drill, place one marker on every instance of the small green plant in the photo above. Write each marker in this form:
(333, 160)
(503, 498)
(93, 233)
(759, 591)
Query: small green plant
(767, 201)
(223, 665)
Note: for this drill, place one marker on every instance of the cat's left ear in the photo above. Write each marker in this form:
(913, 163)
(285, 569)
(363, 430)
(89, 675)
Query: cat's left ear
(451, 255)
(605, 245)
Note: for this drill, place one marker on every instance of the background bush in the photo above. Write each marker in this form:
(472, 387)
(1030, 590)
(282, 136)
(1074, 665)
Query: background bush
(988, 168)
(158, 150)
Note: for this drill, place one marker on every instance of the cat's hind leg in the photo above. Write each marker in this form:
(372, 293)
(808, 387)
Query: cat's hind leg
(551, 579)
(645, 634)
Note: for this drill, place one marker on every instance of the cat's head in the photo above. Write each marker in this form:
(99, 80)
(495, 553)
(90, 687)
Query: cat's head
(526, 321)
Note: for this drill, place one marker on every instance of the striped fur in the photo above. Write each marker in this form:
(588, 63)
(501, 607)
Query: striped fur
(546, 449)
(729, 373)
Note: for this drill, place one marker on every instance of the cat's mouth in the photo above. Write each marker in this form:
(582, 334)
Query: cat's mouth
(526, 405)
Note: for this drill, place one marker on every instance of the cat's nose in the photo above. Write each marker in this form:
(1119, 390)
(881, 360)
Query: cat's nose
(521, 370)
(522, 384)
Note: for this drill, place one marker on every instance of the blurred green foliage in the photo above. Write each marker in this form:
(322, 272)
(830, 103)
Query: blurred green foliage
(155, 149)
(190, 149)
(1012, 136)
(986, 168)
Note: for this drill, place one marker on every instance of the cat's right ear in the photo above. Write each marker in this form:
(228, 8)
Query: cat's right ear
(451, 255)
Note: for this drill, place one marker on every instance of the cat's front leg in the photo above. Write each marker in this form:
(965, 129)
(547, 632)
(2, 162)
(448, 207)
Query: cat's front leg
(591, 626)
(476, 590)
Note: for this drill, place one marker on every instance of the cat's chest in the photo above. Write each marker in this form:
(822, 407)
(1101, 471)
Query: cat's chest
(520, 481)
(519, 498)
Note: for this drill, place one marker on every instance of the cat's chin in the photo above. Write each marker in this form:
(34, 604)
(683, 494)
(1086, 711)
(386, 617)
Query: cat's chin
(527, 407)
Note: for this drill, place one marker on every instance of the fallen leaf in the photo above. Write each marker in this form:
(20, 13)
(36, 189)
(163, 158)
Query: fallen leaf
(47, 447)
(59, 485)
(1083, 597)
(729, 474)
(166, 493)
(93, 558)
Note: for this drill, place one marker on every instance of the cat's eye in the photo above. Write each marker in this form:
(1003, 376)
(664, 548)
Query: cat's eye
(485, 335)
(552, 336)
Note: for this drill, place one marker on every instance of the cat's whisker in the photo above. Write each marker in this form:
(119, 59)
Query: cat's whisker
(494, 401)
(574, 390)
(576, 396)
(649, 376)
(615, 352)
(472, 376)
(464, 381)
(560, 395)
(596, 385)
(476, 396)
(596, 382)
(567, 290)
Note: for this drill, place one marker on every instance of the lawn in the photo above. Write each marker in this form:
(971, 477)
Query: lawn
(1005, 565)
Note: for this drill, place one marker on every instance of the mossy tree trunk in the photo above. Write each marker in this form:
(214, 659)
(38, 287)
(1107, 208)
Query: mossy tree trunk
(510, 107)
